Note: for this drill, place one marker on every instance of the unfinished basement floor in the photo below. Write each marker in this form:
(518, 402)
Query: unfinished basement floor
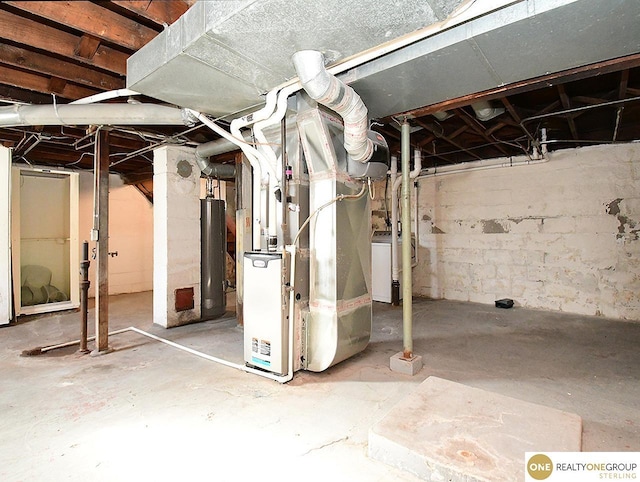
(148, 411)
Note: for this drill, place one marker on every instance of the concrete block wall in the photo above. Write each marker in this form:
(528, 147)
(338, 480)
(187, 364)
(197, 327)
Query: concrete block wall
(562, 235)
(176, 227)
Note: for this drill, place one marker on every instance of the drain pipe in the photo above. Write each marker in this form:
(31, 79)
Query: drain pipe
(328, 90)
(417, 167)
(270, 155)
(395, 271)
(396, 182)
(407, 308)
(272, 376)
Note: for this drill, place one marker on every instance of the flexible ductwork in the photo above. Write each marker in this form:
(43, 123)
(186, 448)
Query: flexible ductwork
(328, 90)
(485, 111)
(93, 114)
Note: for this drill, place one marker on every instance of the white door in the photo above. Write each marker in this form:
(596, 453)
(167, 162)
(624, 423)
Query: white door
(45, 249)
(5, 236)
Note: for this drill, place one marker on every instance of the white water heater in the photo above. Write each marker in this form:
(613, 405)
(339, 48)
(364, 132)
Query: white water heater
(265, 326)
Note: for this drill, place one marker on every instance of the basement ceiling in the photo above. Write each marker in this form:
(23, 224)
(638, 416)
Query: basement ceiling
(75, 49)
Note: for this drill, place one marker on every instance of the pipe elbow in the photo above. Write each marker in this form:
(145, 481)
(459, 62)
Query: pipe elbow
(328, 90)
(210, 169)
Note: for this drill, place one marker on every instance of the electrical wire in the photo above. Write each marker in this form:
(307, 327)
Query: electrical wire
(338, 198)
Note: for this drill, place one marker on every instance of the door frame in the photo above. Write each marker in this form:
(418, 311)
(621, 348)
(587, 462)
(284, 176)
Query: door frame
(74, 255)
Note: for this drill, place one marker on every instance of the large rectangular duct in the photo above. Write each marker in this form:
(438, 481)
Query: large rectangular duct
(221, 57)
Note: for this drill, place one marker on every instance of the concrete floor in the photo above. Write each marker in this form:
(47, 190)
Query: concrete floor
(150, 412)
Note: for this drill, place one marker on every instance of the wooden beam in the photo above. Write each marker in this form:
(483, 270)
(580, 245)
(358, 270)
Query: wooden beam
(40, 83)
(160, 12)
(455, 133)
(474, 124)
(511, 109)
(624, 83)
(450, 138)
(12, 93)
(48, 39)
(570, 75)
(87, 46)
(57, 85)
(49, 66)
(583, 99)
(101, 185)
(92, 19)
(566, 103)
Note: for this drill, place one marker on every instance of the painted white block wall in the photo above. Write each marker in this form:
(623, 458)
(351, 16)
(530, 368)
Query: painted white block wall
(130, 234)
(563, 235)
(5, 236)
(176, 231)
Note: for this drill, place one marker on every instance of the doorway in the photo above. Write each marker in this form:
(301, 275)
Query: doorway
(44, 240)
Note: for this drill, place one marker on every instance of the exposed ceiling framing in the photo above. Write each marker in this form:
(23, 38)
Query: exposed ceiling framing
(73, 49)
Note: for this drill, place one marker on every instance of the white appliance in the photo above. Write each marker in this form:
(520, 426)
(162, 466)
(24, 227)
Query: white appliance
(265, 327)
(381, 265)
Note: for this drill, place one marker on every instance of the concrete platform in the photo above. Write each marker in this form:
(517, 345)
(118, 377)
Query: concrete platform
(449, 431)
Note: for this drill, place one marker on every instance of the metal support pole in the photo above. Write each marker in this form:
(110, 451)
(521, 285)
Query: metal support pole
(407, 312)
(101, 172)
(84, 296)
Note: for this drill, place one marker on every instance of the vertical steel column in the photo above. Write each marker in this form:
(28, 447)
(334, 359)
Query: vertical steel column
(101, 173)
(407, 309)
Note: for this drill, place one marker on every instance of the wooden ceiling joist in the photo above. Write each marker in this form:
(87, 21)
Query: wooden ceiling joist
(160, 12)
(92, 19)
(49, 39)
(40, 83)
(49, 66)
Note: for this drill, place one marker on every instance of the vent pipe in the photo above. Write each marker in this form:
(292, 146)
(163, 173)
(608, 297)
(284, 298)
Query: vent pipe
(328, 90)
(93, 114)
(485, 111)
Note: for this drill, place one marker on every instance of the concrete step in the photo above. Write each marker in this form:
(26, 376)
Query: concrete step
(446, 431)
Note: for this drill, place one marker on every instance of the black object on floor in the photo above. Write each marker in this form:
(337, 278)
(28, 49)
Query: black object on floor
(504, 303)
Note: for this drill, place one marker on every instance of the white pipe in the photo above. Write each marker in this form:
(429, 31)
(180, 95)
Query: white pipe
(328, 90)
(111, 94)
(272, 376)
(417, 167)
(395, 270)
(481, 166)
(270, 154)
(275, 118)
(257, 170)
(543, 146)
(96, 114)
(415, 172)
